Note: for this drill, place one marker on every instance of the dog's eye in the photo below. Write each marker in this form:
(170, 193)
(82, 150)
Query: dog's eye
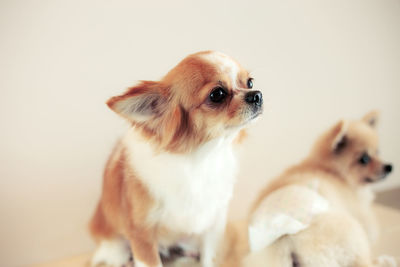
(218, 95)
(250, 83)
(365, 159)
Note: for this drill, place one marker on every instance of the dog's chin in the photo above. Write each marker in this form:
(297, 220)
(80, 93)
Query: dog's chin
(255, 116)
(370, 180)
(252, 118)
(375, 179)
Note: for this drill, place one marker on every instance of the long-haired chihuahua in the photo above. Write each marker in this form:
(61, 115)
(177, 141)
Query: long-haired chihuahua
(169, 180)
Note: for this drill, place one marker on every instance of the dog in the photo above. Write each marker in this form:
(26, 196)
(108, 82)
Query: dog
(169, 180)
(318, 213)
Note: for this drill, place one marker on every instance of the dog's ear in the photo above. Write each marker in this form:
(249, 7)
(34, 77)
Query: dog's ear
(339, 137)
(140, 103)
(371, 118)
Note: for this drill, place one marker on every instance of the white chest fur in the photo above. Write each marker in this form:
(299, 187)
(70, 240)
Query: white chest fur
(190, 190)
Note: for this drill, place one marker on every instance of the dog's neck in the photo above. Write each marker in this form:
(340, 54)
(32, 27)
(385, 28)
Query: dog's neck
(326, 168)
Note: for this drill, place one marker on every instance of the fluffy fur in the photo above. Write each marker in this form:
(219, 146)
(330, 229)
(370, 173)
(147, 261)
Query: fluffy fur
(170, 178)
(343, 161)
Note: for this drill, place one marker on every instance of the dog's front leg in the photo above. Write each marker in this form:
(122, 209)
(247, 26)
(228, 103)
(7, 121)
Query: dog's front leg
(211, 242)
(144, 247)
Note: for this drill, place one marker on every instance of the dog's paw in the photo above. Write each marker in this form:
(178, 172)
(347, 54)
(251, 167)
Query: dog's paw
(112, 253)
(385, 261)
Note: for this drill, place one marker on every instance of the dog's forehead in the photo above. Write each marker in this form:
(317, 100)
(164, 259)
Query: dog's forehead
(223, 64)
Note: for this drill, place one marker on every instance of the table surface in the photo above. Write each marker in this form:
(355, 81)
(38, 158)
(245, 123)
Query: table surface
(388, 244)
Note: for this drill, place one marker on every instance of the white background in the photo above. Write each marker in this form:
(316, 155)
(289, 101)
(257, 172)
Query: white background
(315, 61)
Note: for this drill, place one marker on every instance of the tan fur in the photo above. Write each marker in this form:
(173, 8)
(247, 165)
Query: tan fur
(241, 137)
(341, 236)
(235, 246)
(123, 208)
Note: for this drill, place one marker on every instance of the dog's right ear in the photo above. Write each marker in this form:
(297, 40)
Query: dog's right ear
(340, 139)
(140, 103)
(371, 118)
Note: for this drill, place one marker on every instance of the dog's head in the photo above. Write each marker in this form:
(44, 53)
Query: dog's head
(351, 149)
(207, 95)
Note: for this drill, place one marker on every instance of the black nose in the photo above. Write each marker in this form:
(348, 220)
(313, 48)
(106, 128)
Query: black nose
(387, 168)
(254, 97)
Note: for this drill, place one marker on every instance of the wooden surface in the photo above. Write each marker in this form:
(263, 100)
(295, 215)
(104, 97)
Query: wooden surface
(388, 244)
(77, 261)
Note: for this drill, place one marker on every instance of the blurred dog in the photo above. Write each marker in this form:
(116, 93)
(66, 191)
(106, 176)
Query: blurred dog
(170, 178)
(321, 208)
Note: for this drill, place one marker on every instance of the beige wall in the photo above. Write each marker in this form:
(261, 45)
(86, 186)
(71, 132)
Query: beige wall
(315, 61)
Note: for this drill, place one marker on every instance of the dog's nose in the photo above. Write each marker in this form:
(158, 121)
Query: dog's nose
(254, 97)
(387, 168)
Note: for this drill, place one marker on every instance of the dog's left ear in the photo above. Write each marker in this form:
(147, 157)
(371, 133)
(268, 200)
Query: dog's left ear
(371, 118)
(339, 132)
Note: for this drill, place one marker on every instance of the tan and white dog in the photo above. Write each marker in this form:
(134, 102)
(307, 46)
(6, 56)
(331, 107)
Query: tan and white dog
(169, 180)
(318, 213)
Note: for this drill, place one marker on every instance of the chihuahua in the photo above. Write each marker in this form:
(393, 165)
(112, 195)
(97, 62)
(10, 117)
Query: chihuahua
(169, 180)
